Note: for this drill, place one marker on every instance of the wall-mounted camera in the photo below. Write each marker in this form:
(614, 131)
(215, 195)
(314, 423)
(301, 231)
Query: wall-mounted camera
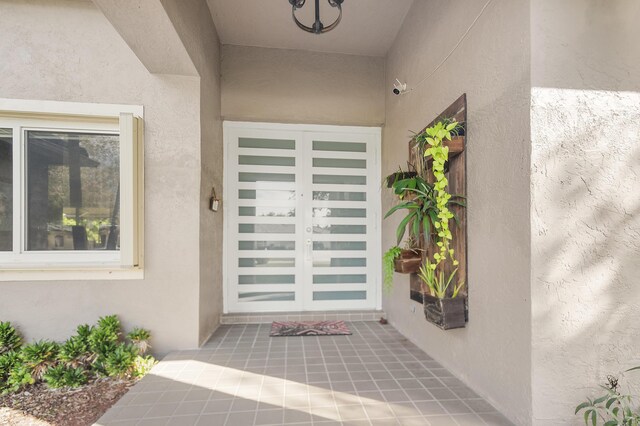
(399, 88)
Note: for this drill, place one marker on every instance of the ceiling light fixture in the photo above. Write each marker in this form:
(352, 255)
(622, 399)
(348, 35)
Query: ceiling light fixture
(317, 27)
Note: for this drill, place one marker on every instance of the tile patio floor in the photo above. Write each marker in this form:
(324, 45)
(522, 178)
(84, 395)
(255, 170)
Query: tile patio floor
(244, 377)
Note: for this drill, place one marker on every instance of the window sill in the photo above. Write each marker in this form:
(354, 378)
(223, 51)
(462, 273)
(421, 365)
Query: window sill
(71, 273)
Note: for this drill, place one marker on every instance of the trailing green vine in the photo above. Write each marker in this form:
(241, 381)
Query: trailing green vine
(387, 267)
(435, 135)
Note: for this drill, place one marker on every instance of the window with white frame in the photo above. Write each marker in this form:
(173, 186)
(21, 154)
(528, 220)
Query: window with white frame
(70, 189)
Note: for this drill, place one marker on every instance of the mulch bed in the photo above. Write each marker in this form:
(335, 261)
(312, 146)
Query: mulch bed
(39, 406)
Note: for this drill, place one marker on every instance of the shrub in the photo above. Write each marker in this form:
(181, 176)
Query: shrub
(19, 376)
(64, 376)
(93, 351)
(139, 337)
(121, 362)
(39, 356)
(8, 361)
(75, 352)
(143, 365)
(10, 340)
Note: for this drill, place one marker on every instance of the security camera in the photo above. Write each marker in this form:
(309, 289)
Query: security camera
(399, 88)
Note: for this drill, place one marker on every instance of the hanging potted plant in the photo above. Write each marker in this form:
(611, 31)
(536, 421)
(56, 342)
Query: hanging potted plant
(400, 175)
(442, 304)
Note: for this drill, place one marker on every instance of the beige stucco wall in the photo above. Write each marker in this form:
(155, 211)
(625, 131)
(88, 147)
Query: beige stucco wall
(68, 51)
(295, 86)
(491, 66)
(585, 193)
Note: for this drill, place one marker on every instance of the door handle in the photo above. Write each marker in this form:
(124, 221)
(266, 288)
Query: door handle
(307, 250)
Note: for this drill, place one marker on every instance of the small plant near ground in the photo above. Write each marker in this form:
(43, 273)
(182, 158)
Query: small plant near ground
(613, 408)
(94, 351)
(10, 340)
(39, 356)
(63, 376)
(139, 337)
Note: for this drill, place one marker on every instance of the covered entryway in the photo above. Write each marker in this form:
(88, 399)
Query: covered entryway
(302, 209)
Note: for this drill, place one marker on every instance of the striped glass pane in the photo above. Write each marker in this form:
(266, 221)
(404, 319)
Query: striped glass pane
(267, 211)
(342, 163)
(339, 262)
(339, 229)
(266, 143)
(339, 146)
(338, 212)
(339, 279)
(265, 228)
(339, 245)
(266, 262)
(339, 196)
(266, 279)
(258, 160)
(339, 295)
(266, 296)
(266, 177)
(266, 194)
(266, 245)
(340, 179)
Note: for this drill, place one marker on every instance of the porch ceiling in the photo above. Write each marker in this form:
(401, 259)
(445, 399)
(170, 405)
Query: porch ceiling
(367, 28)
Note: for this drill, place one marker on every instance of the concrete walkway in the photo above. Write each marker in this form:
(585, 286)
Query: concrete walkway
(244, 377)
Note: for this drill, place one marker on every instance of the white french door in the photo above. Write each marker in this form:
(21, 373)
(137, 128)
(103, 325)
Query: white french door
(302, 212)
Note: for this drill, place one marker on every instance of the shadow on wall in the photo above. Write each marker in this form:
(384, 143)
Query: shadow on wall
(586, 242)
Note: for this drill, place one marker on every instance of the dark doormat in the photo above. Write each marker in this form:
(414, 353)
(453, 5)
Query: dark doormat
(309, 328)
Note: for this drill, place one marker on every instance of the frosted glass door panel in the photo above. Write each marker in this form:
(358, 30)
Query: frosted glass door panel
(342, 265)
(263, 266)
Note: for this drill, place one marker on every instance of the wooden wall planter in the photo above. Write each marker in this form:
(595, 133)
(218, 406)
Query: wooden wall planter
(444, 313)
(408, 262)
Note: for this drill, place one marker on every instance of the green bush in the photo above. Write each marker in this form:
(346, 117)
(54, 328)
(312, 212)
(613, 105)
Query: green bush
(64, 376)
(19, 376)
(39, 356)
(94, 351)
(10, 340)
(121, 362)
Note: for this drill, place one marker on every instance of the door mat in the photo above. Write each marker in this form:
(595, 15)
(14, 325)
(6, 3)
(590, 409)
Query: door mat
(309, 328)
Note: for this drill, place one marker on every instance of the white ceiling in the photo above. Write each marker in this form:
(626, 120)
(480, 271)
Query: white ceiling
(368, 27)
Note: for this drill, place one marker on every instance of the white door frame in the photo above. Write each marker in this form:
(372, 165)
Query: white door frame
(304, 132)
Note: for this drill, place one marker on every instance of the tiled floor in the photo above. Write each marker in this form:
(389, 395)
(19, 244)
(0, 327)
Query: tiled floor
(244, 377)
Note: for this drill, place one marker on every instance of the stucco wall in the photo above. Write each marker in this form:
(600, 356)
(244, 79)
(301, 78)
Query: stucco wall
(294, 86)
(194, 24)
(68, 51)
(585, 192)
(492, 354)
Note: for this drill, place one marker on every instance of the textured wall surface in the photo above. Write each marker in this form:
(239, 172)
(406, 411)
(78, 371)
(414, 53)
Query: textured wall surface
(194, 24)
(585, 124)
(294, 86)
(68, 51)
(492, 66)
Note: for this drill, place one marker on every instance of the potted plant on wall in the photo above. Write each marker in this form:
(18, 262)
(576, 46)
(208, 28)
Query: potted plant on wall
(442, 304)
(400, 175)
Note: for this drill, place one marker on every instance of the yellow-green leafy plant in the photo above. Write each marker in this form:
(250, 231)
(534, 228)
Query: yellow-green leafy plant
(432, 139)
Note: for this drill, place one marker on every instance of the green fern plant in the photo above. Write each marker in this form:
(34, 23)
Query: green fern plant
(75, 352)
(39, 356)
(8, 361)
(10, 339)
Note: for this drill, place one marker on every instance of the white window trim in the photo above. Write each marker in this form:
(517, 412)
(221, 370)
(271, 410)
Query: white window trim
(126, 120)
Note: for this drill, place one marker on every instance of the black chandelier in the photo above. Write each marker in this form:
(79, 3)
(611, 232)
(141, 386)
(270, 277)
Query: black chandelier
(317, 27)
